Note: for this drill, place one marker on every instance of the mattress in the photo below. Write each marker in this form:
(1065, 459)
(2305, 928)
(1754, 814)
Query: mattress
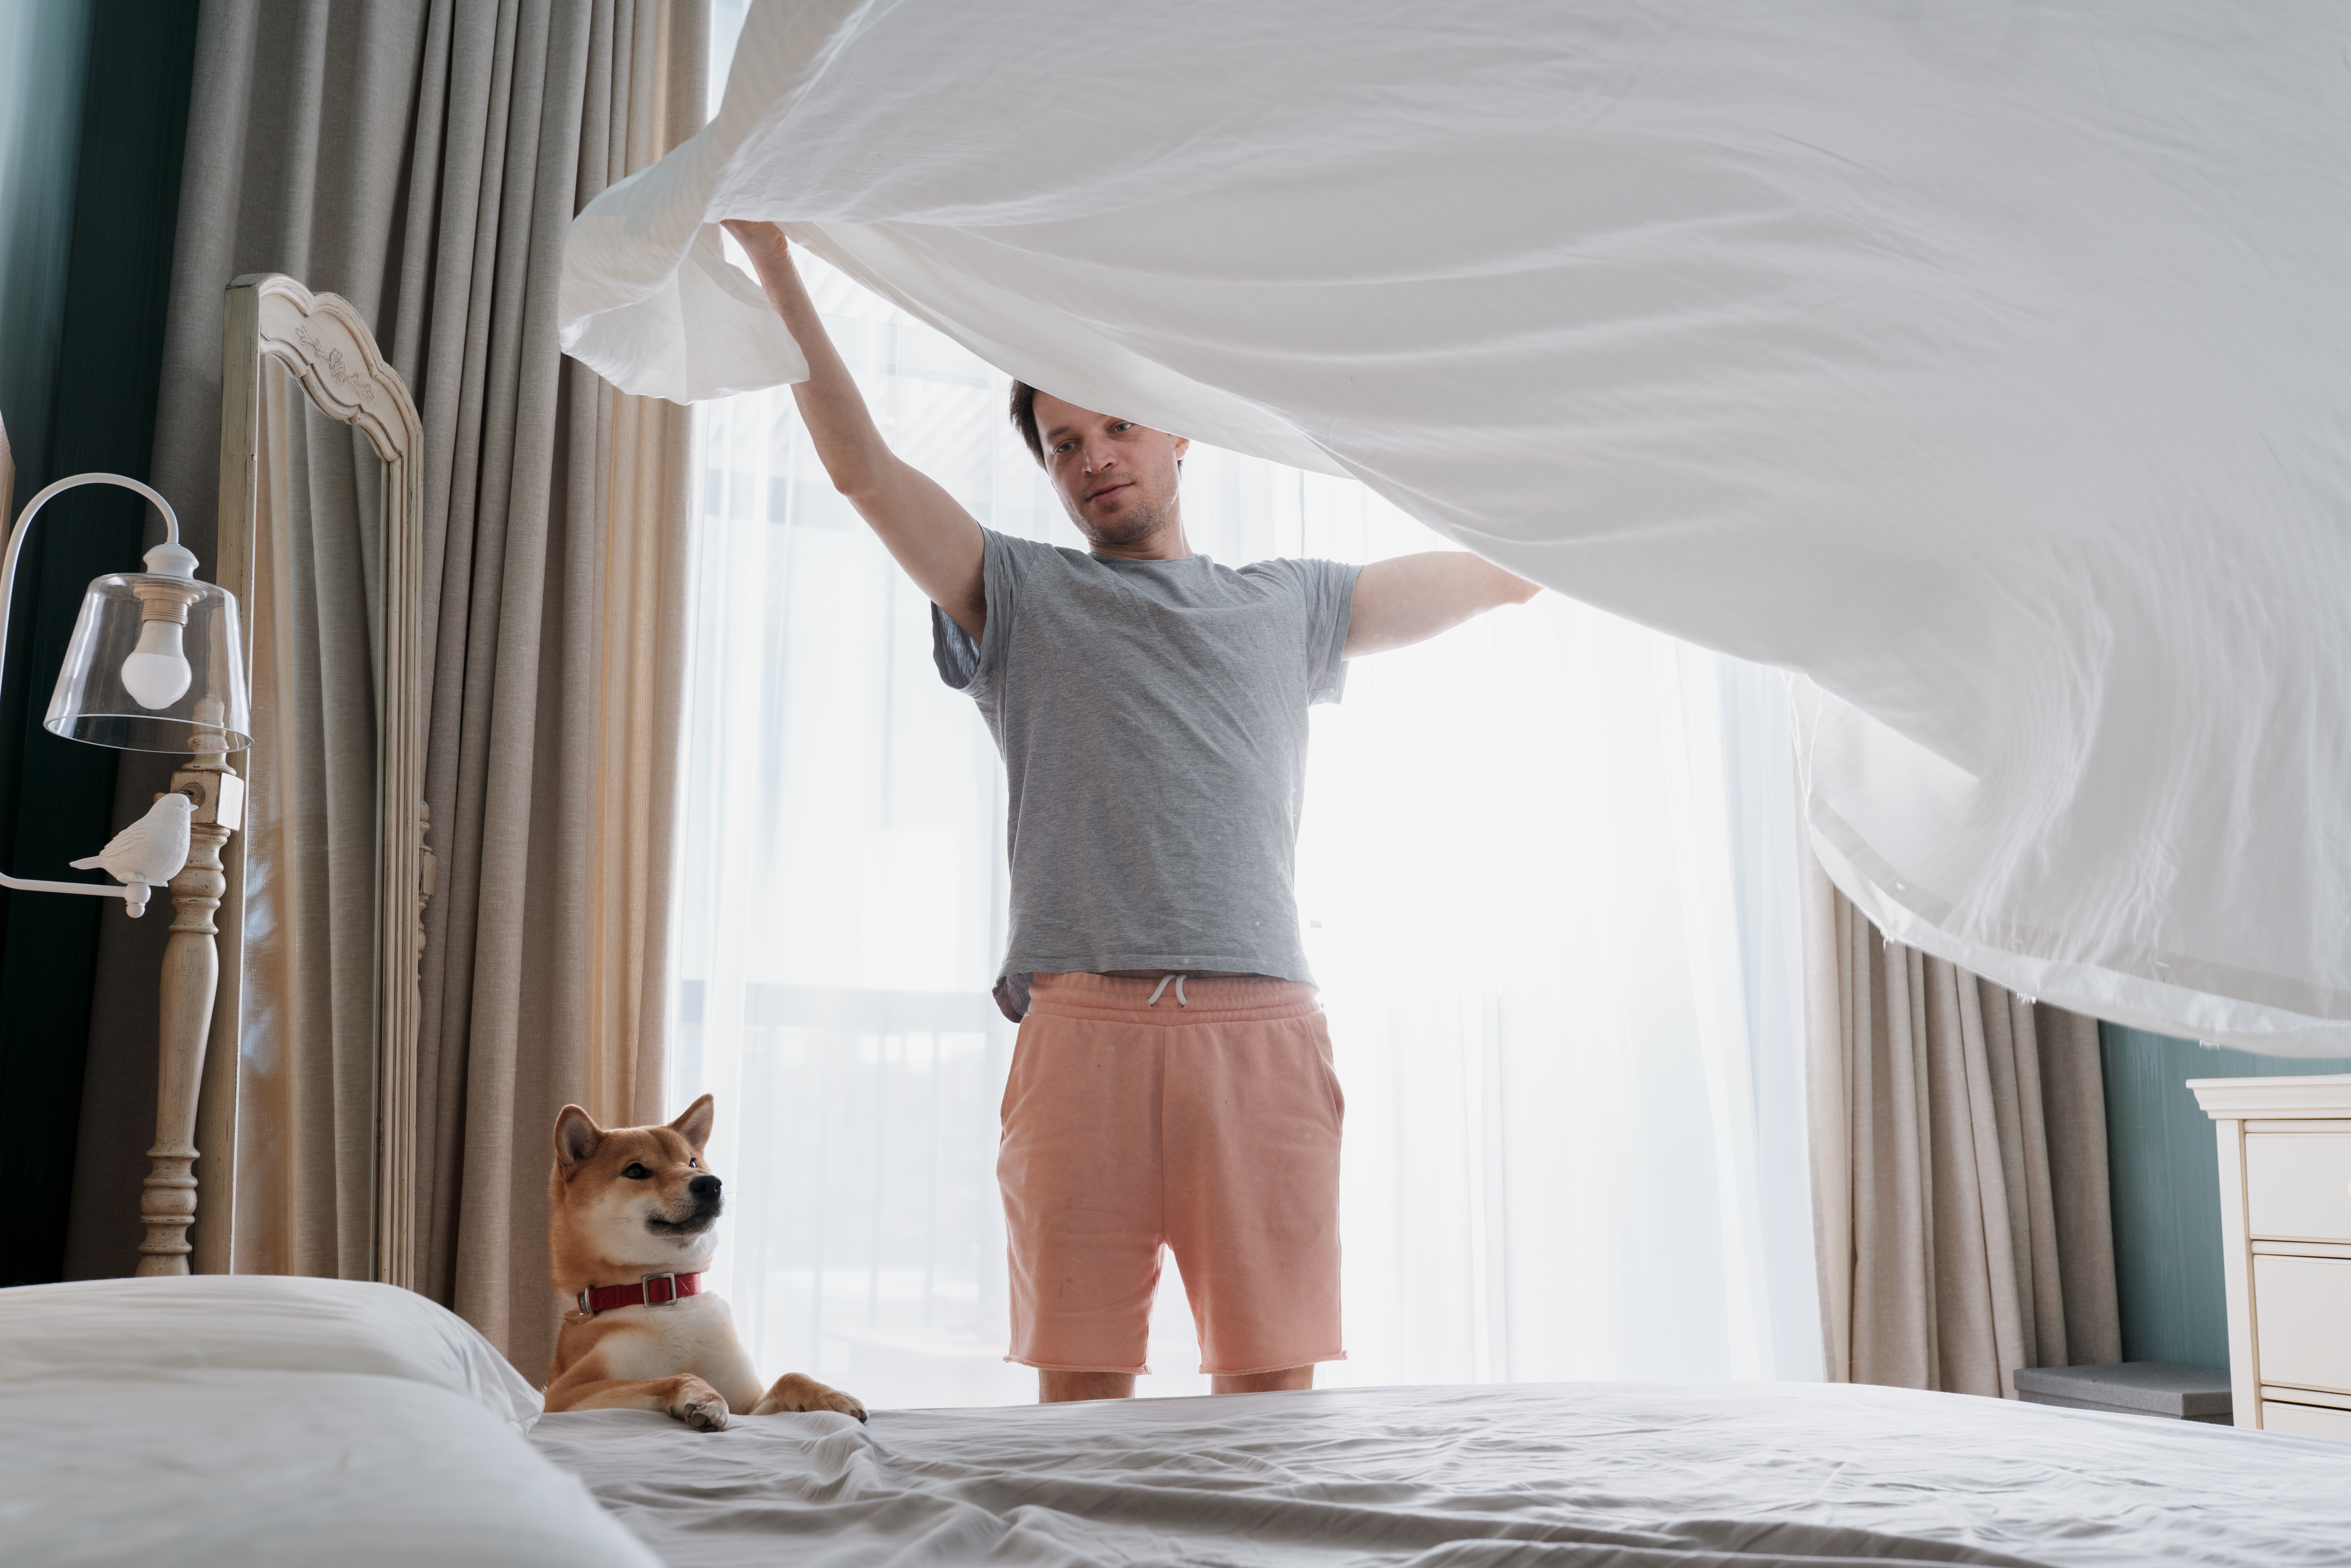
(1626, 1475)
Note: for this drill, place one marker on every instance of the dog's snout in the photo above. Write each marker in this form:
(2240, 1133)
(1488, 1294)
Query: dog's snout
(704, 1186)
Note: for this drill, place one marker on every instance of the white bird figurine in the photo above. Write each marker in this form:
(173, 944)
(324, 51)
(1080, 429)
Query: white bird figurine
(152, 850)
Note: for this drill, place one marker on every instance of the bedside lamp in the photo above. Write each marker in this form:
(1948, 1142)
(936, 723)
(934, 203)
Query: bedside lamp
(156, 664)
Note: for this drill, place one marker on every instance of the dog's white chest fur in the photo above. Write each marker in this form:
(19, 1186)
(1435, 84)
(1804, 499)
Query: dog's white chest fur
(694, 1334)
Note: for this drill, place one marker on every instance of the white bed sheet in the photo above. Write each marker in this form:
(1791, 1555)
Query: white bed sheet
(1626, 1475)
(1981, 363)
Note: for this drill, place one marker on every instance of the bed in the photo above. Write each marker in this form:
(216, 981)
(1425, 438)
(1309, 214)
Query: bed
(1626, 1475)
(255, 1420)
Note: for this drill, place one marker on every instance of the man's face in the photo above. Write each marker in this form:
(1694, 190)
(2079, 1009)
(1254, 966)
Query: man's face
(1116, 477)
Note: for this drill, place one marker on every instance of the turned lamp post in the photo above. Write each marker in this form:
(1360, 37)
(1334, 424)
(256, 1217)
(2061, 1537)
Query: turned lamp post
(156, 664)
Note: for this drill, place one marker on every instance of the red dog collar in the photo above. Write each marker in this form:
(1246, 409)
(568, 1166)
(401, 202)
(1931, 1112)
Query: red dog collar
(652, 1291)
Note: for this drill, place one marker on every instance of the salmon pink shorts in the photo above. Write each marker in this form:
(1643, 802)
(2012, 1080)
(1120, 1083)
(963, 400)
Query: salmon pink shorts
(1208, 1124)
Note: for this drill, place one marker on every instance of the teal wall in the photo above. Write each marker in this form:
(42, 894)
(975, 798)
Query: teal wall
(81, 345)
(2164, 1165)
(44, 52)
(43, 65)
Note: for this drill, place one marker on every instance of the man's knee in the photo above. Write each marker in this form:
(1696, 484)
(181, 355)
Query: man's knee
(1274, 1381)
(1058, 1387)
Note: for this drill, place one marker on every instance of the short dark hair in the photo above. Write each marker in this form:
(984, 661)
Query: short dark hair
(1024, 418)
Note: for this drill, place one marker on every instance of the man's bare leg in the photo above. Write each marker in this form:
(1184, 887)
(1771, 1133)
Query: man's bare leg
(1060, 1387)
(1263, 1381)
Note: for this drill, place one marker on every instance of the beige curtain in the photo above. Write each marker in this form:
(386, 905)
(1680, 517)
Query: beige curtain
(424, 158)
(1959, 1144)
(641, 650)
(559, 634)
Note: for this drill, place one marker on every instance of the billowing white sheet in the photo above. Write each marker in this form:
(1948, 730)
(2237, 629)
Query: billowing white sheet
(1563, 1476)
(1981, 363)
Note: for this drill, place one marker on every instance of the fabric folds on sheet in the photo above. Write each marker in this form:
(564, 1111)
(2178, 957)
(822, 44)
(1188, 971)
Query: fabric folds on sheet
(1980, 366)
(1591, 1475)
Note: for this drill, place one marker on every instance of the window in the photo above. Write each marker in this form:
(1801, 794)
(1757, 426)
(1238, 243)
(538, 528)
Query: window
(1548, 878)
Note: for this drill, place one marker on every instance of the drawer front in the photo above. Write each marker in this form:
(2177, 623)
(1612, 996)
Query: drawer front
(2302, 1312)
(2298, 1185)
(2305, 1421)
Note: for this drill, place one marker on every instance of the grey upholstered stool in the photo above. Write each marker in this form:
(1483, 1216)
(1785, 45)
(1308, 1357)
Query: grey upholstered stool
(2132, 1388)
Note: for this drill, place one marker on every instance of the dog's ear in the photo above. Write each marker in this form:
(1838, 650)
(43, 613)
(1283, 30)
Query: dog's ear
(694, 1125)
(576, 1136)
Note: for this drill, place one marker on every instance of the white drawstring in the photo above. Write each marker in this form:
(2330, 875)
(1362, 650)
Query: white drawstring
(1163, 985)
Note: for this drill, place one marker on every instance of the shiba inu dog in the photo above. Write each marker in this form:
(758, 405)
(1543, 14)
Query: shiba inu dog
(633, 1216)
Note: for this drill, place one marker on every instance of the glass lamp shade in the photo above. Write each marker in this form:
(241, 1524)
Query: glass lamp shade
(138, 678)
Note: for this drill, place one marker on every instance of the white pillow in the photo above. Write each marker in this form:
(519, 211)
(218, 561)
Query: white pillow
(257, 1469)
(127, 1329)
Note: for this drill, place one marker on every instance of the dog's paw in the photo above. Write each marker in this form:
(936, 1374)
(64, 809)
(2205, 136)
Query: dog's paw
(796, 1391)
(834, 1399)
(700, 1407)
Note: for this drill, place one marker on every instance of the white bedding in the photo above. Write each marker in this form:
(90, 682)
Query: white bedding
(241, 1469)
(1983, 363)
(113, 1329)
(1626, 1475)
(260, 1420)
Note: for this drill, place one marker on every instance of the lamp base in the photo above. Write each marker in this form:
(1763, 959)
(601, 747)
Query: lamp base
(190, 977)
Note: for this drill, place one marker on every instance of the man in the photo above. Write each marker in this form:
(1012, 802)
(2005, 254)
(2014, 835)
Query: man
(1172, 1081)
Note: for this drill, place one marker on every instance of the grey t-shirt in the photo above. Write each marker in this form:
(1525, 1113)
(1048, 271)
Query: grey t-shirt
(1153, 720)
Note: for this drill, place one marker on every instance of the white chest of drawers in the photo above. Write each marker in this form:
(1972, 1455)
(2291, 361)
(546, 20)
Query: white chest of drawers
(2285, 1235)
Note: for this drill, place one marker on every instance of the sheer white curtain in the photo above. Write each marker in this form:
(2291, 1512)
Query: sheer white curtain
(1548, 873)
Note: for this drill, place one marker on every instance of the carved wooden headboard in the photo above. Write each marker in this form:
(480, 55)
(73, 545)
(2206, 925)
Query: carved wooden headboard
(322, 342)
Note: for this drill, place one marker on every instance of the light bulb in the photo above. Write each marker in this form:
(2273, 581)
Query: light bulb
(157, 671)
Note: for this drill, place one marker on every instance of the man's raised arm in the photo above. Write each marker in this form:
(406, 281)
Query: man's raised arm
(1409, 599)
(932, 538)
